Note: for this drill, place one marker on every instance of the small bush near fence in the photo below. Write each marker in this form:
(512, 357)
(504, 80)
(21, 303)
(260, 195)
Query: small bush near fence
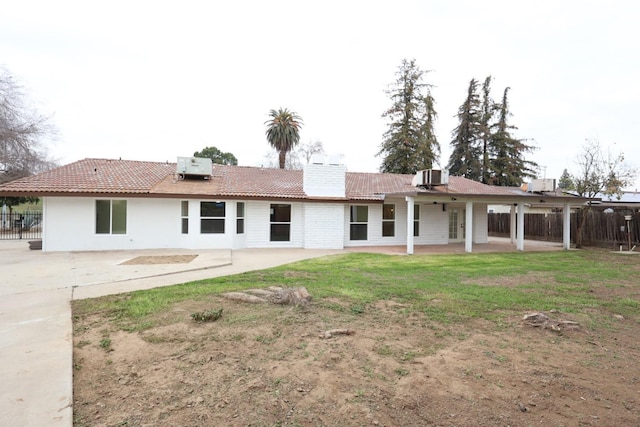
(601, 229)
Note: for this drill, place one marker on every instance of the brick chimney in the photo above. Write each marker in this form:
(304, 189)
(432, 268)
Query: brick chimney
(324, 176)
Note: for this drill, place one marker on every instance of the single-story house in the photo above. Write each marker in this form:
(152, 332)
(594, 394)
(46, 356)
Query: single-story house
(104, 204)
(627, 201)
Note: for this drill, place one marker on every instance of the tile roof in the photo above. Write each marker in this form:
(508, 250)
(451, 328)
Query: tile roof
(105, 176)
(373, 186)
(460, 185)
(95, 176)
(235, 181)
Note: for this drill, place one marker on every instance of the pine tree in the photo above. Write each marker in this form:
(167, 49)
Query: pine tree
(508, 165)
(487, 113)
(465, 157)
(410, 143)
(566, 181)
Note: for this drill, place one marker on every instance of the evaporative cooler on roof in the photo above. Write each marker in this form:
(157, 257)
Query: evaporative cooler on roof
(197, 167)
(431, 178)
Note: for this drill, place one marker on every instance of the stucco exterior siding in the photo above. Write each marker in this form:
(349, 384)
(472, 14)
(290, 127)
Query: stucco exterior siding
(71, 225)
(434, 225)
(156, 223)
(323, 225)
(151, 223)
(480, 223)
(324, 180)
(258, 225)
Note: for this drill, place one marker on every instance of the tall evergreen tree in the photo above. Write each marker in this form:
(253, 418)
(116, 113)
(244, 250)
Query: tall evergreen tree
(487, 113)
(566, 181)
(465, 157)
(509, 167)
(410, 143)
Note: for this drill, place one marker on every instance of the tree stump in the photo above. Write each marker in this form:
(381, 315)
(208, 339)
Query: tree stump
(273, 295)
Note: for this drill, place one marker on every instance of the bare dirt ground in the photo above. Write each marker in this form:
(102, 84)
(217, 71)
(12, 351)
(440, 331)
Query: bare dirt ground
(267, 365)
(160, 259)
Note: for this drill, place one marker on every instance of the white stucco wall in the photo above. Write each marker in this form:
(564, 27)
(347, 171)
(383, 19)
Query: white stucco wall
(258, 225)
(151, 223)
(480, 223)
(69, 225)
(434, 225)
(324, 180)
(374, 228)
(323, 225)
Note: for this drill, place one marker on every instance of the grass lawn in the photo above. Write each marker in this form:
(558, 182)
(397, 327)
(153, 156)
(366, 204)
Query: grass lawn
(438, 340)
(487, 286)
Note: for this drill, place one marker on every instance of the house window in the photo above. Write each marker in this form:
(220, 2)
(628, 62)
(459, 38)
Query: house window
(358, 222)
(184, 216)
(212, 216)
(388, 220)
(240, 218)
(111, 216)
(280, 223)
(416, 220)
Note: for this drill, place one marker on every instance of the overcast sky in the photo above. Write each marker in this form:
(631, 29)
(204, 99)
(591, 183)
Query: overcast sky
(154, 80)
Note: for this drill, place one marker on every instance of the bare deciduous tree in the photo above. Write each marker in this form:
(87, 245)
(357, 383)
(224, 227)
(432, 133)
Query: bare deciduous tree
(295, 159)
(22, 130)
(599, 173)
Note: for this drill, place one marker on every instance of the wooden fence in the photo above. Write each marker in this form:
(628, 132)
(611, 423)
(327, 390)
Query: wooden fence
(601, 229)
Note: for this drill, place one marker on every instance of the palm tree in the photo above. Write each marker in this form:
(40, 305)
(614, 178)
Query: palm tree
(283, 132)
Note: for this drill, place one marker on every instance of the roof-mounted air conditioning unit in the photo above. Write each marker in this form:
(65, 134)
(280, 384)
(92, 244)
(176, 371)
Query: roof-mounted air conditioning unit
(431, 177)
(541, 185)
(194, 166)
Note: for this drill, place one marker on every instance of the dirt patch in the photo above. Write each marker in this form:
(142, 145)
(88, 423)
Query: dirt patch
(268, 365)
(160, 259)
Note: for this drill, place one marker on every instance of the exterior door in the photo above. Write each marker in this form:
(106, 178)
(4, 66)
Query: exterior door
(456, 224)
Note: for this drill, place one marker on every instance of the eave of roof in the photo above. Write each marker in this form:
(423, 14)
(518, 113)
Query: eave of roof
(106, 177)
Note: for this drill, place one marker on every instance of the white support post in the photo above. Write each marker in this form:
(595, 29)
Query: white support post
(512, 226)
(410, 202)
(468, 228)
(520, 225)
(566, 226)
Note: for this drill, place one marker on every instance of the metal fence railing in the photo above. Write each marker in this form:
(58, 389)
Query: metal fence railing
(16, 226)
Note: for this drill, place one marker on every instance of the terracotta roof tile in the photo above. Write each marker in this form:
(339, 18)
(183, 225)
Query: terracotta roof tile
(460, 185)
(103, 176)
(373, 186)
(95, 176)
(259, 182)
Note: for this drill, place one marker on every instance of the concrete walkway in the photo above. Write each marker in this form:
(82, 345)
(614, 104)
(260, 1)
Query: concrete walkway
(36, 288)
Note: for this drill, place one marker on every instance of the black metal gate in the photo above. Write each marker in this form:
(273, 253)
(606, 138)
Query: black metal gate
(15, 226)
